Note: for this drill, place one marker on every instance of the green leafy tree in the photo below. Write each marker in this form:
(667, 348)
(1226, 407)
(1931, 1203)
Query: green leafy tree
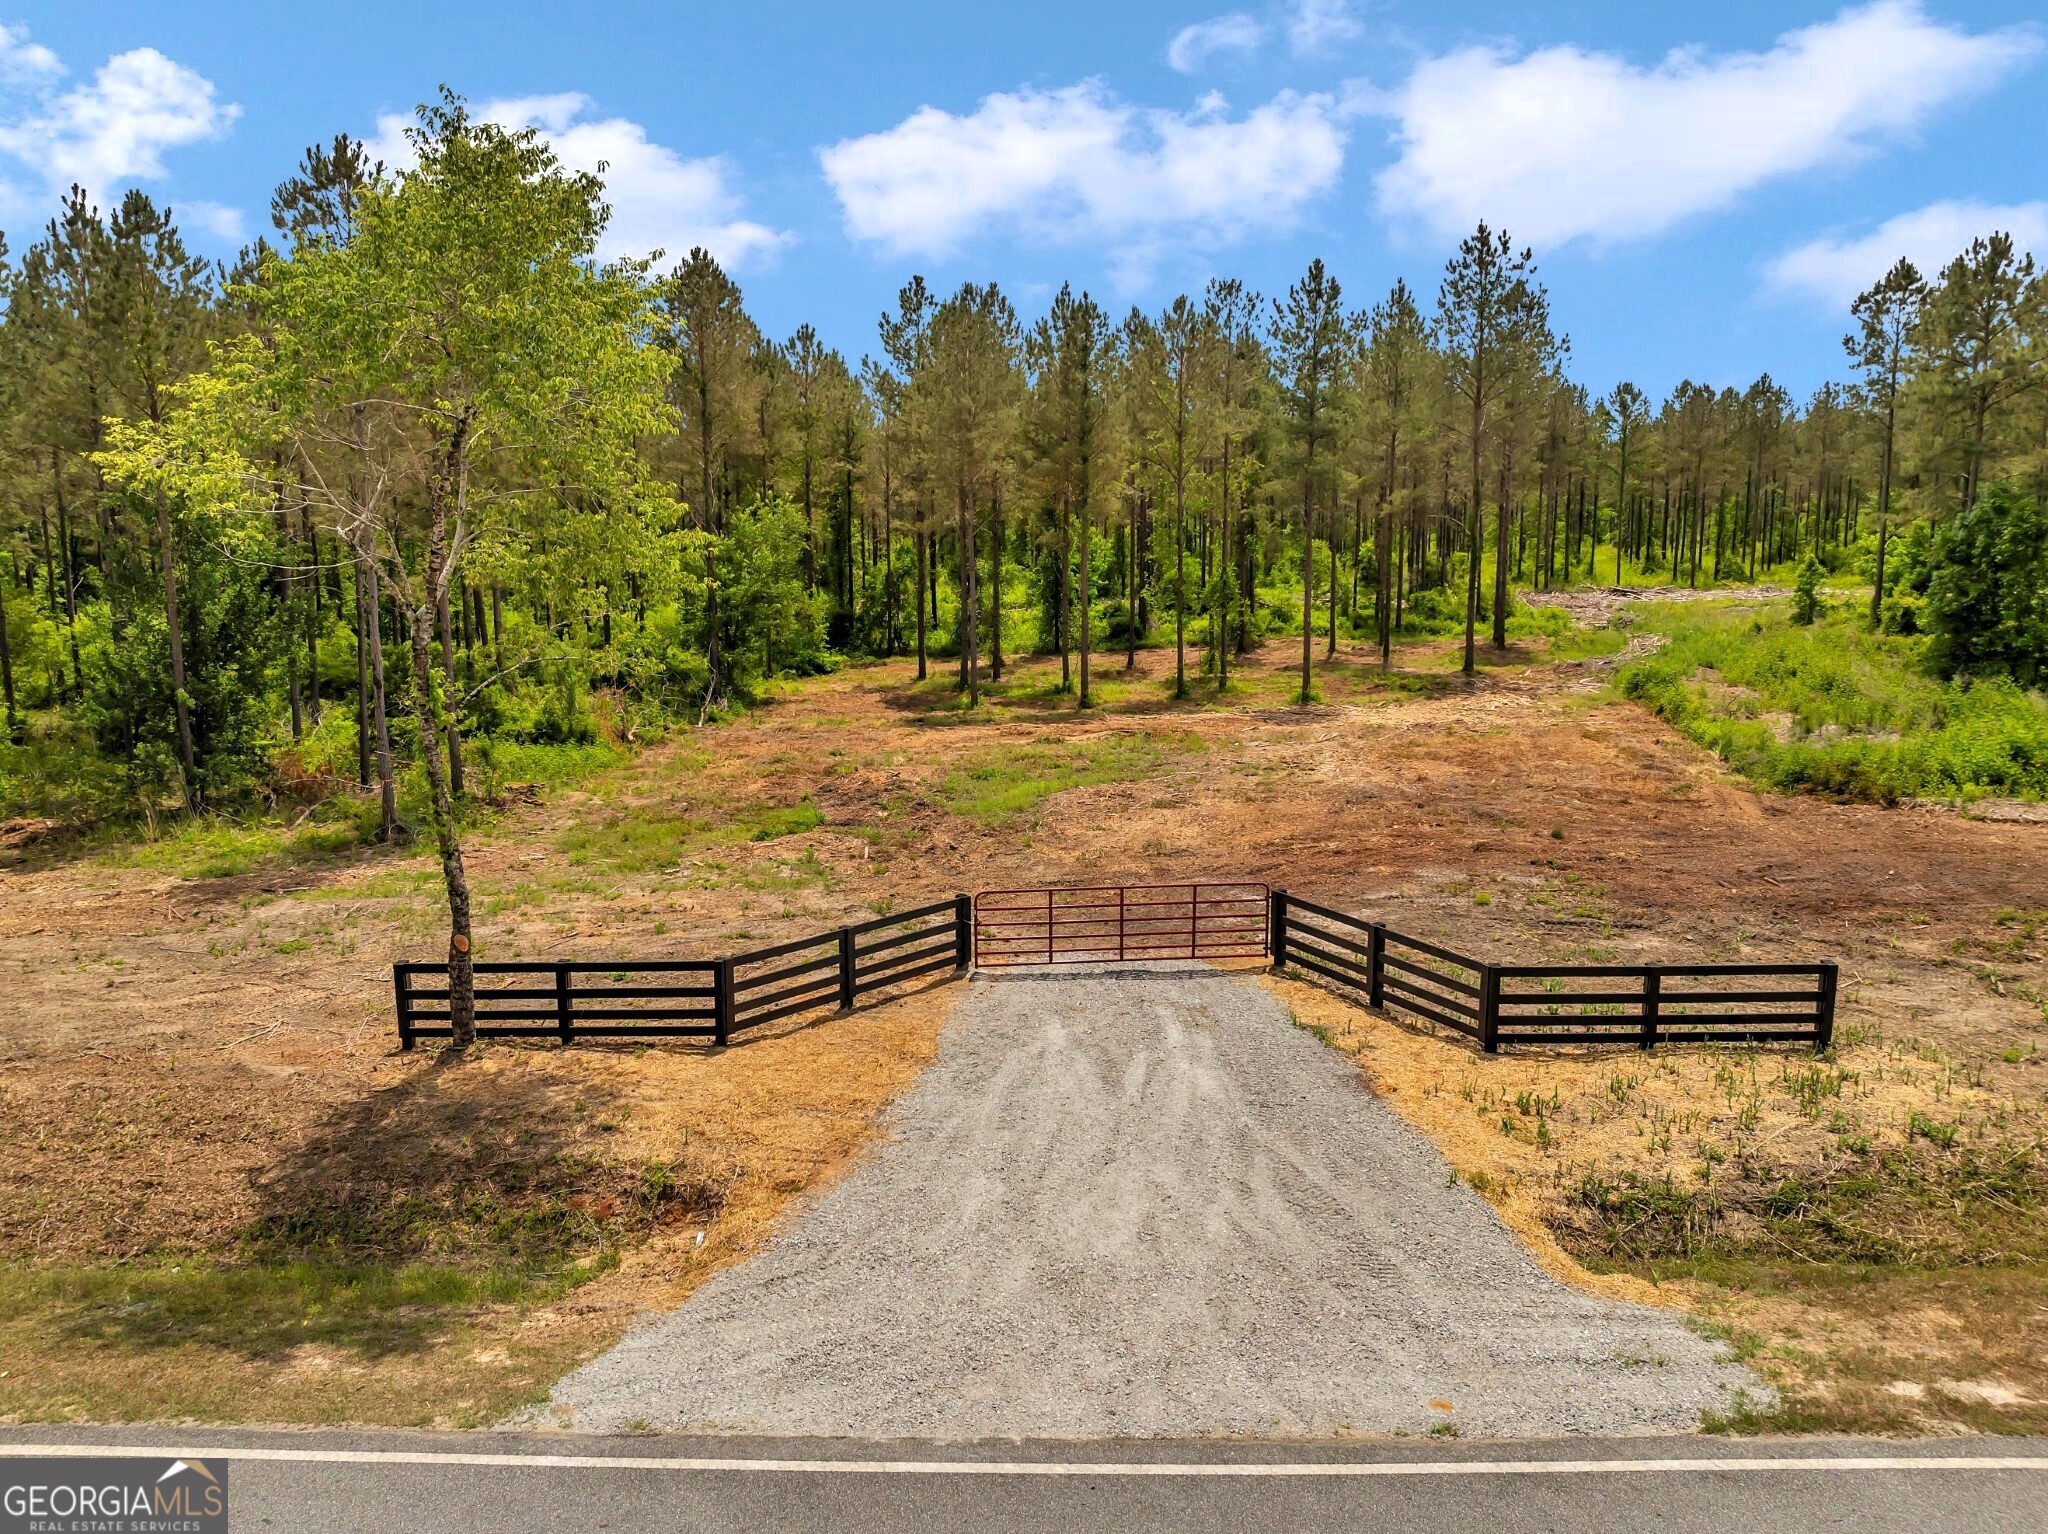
(1807, 604)
(1987, 599)
(465, 329)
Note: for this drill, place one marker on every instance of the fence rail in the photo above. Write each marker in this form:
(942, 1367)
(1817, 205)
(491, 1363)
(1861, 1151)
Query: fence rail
(1493, 1004)
(1114, 923)
(1500, 1004)
(701, 998)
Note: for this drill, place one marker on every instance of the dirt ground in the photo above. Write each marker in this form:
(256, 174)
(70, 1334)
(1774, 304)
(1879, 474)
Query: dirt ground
(188, 1064)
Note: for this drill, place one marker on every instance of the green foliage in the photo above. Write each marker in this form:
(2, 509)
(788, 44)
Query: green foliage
(1003, 784)
(770, 625)
(233, 641)
(1834, 708)
(1807, 603)
(1987, 598)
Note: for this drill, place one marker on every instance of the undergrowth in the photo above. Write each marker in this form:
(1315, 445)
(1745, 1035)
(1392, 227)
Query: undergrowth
(1835, 708)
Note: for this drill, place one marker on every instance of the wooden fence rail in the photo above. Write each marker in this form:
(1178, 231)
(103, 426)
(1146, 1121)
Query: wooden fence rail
(1493, 1004)
(1500, 1004)
(694, 998)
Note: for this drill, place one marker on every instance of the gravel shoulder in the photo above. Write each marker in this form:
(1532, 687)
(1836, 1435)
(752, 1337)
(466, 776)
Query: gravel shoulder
(1140, 1203)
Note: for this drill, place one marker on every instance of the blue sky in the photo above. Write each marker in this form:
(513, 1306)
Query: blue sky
(1704, 186)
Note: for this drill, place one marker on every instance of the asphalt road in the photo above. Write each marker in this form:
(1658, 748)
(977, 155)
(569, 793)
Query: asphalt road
(509, 1482)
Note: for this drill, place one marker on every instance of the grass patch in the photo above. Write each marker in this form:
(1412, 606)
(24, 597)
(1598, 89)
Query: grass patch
(1856, 1348)
(997, 786)
(771, 821)
(1836, 708)
(413, 1344)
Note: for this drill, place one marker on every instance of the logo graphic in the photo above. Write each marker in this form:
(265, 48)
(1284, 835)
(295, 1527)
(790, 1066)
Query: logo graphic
(59, 1494)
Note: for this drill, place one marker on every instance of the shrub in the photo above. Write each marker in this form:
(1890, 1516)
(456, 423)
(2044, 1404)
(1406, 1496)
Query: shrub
(1806, 599)
(1835, 708)
(1987, 600)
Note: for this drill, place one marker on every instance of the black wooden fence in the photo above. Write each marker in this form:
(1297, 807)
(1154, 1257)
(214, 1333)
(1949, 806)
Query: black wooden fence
(702, 998)
(1497, 1004)
(1492, 1004)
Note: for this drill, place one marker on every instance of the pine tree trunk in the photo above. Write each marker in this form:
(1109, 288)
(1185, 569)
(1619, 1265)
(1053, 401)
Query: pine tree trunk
(1308, 561)
(363, 694)
(969, 626)
(918, 539)
(181, 705)
(380, 718)
(7, 665)
(1087, 590)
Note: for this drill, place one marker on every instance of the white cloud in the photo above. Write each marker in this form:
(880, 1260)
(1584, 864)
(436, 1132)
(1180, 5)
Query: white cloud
(23, 61)
(217, 219)
(111, 130)
(1078, 164)
(1318, 25)
(659, 200)
(1563, 143)
(1835, 270)
(1192, 47)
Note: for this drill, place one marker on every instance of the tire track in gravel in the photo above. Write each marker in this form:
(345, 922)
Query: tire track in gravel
(1136, 1203)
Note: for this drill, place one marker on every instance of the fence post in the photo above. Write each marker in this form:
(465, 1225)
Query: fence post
(846, 969)
(721, 1000)
(1824, 1038)
(1276, 929)
(1653, 987)
(401, 985)
(565, 1014)
(1376, 966)
(963, 932)
(1489, 1009)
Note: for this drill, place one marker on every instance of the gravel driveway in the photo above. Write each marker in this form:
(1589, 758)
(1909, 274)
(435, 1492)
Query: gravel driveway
(1139, 1202)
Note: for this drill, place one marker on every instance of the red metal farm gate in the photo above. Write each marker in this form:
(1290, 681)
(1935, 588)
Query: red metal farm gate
(1105, 923)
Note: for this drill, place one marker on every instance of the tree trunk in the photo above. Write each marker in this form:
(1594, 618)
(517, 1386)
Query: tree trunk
(995, 583)
(380, 718)
(1475, 528)
(1500, 561)
(1383, 558)
(188, 753)
(433, 722)
(1180, 584)
(455, 783)
(1330, 617)
(7, 665)
(970, 600)
(1219, 620)
(1087, 590)
(918, 539)
(363, 694)
(313, 623)
(1308, 561)
(70, 575)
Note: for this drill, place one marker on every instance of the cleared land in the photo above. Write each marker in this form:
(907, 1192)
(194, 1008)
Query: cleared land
(202, 1118)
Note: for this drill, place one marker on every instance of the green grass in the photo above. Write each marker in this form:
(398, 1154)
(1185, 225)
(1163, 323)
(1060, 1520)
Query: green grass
(999, 785)
(270, 1307)
(1835, 708)
(223, 845)
(634, 839)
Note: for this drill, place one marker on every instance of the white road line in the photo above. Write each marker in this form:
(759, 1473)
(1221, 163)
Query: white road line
(1245, 1468)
